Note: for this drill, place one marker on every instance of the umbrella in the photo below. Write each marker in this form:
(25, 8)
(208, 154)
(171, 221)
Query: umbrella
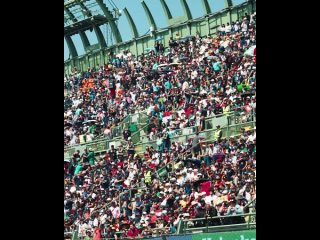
(218, 155)
(90, 121)
(197, 183)
(166, 71)
(67, 124)
(163, 65)
(183, 58)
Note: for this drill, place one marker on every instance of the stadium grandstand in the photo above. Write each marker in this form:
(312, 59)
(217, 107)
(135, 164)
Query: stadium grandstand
(160, 119)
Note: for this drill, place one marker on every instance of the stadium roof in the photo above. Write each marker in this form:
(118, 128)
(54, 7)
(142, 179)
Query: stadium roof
(83, 18)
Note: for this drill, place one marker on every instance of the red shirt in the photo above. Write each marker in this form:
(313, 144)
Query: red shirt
(97, 234)
(166, 218)
(133, 232)
(152, 165)
(153, 219)
(120, 163)
(167, 114)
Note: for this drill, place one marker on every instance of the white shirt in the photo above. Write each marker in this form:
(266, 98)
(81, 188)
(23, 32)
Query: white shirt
(228, 28)
(133, 97)
(103, 218)
(73, 189)
(116, 212)
(180, 181)
(204, 101)
(189, 176)
(95, 222)
(251, 138)
(131, 176)
(194, 74)
(244, 27)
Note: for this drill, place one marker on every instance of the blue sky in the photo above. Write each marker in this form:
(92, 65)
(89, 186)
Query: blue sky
(137, 13)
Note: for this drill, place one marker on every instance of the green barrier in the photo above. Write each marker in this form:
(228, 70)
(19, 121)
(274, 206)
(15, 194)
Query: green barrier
(236, 235)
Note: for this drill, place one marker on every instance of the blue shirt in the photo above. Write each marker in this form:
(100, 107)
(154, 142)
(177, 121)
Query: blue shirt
(216, 66)
(167, 84)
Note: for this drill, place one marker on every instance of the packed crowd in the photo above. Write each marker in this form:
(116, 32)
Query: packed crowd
(197, 78)
(121, 191)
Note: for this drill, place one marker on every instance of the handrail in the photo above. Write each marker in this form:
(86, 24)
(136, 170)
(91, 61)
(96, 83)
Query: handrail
(218, 217)
(230, 114)
(227, 130)
(247, 224)
(121, 125)
(99, 141)
(249, 203)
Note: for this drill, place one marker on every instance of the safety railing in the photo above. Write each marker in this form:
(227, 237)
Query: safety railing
(140, 119)
(115, 138)
(223, 120)
(219, 223)
(207, 135)
(155, 232)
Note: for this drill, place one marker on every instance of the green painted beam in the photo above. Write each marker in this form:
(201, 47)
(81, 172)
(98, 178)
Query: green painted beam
(186, 9)
(206, 6)
(72, 48)
(101, 39)
(228, 3)
(166, 9)
(83, 36)
(97, 30)
(131, 23)
(149, 15)
(114, 28)
(72, 3)
(137, 45)
(84, 40)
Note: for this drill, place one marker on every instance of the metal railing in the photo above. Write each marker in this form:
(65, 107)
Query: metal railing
(208, 135)
(155, 232)
(103, 144)
(225, 223)
(226, 121)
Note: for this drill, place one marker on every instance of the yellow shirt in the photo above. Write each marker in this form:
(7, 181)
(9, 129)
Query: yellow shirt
(183, 203)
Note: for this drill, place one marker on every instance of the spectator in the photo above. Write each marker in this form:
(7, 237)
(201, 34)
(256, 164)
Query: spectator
(218, 133)
(133, 232)
(97, 233)
(202, 77)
